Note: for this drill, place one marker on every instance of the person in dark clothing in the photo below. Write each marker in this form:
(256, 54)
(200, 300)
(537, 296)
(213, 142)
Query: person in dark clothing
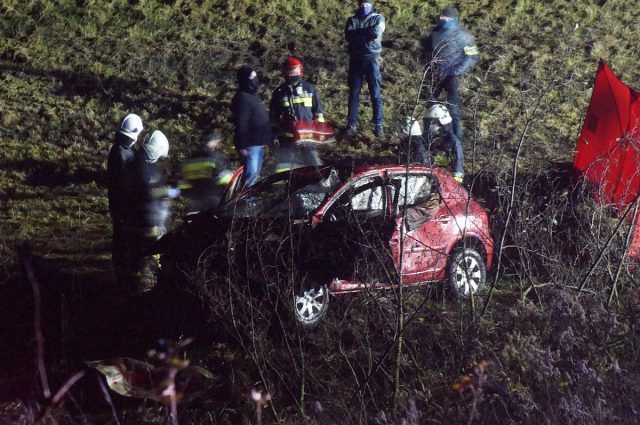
(451, 51)
(252, 128)
(150, 202)
(205, 174)
(439, 123)
(119, 162)
(363, 33)
(294, 101)
(438, 136)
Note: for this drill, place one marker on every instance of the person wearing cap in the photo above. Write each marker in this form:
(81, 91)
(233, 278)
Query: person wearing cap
(119, 163)
(150, 202)
(294, 101)
(252, 128)
(205, 174)
(451, 51)
(363, 33)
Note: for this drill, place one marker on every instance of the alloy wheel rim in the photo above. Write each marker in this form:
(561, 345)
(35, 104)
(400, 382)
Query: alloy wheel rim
(310, 303)
(468, 275)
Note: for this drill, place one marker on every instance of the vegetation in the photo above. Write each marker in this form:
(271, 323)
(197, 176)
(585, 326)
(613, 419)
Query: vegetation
(537, 351)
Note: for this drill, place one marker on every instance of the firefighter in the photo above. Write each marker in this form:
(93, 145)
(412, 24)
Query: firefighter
(411, 137)
(451, 51)
(363, 33)
(439, 123)
(294, 102)
(150, 202)
(119, 163)
(205, 174)
(252, 128)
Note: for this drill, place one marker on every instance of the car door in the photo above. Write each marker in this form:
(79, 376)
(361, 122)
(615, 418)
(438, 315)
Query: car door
(354, 235)
(421, 226)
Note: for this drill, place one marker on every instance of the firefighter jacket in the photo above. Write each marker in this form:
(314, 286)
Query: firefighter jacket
(205, 175)
(289, 103)
(149, 193)
(364, 35)
(118, 166)
(452, 51)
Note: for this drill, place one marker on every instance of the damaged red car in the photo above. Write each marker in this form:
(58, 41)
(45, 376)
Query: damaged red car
(337, 230)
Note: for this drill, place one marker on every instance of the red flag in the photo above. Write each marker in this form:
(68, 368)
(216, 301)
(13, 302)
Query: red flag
(608, 151)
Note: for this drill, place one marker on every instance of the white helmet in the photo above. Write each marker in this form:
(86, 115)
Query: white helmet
(156, 146)
(131, 126)
(439, 112)
(409, 127)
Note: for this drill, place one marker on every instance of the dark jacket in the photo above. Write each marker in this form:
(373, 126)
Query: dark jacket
(297, 102)
(118, 167)
(149, 193)
(452, 51)
(248, 112)
(364, 35)
(251, 120)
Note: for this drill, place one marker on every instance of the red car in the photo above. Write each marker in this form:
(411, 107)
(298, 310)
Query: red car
(346, 229)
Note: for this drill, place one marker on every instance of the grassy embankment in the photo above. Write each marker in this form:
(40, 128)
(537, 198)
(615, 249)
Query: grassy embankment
(72, 69)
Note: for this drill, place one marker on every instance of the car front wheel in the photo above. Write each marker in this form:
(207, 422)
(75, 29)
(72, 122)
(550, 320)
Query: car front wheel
(467, 273)
(310, 305)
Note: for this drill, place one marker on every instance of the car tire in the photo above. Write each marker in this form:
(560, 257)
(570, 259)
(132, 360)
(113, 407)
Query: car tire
(310, 305)
(467, 273)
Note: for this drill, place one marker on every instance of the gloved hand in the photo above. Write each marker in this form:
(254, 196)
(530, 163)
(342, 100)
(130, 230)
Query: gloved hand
(173, 192)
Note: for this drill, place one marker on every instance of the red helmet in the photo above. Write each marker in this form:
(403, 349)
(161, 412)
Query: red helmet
(292, 67)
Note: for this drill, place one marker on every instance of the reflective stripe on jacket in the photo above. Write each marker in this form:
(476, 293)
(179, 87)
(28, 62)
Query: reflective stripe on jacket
(204, 174)
(452, 50)
(300, 102)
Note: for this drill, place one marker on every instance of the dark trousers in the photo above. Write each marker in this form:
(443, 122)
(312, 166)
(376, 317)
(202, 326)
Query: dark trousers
(424, 147)
(361, 69)
(451, 85)
(455, 143)
(128, 255)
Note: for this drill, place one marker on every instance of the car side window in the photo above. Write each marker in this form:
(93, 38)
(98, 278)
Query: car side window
(413, 190)
(369, 197)
(366, 198)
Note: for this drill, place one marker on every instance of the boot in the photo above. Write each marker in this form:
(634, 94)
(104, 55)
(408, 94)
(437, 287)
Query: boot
(379, 131)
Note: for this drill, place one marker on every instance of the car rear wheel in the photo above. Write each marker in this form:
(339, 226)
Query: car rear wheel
(310, 305)
(467, 273)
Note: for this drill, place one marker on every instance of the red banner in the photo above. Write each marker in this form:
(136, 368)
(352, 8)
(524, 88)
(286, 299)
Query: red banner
(608, 151)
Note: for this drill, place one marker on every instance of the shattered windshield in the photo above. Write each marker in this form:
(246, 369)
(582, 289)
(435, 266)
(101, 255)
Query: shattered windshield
(290, 194)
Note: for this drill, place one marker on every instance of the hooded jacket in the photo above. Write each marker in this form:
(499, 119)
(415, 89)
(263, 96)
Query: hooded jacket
(453, 50)
(249, 114)
(364, 35)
